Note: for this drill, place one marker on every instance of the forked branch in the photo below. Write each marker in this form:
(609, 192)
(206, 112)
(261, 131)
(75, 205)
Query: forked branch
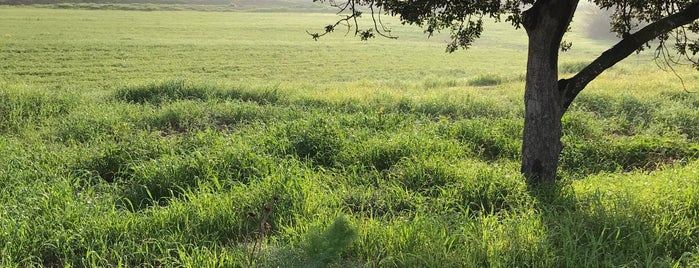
(570, 88)
(351, 21)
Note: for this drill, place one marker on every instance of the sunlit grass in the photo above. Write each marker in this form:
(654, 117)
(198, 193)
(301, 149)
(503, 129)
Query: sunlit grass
(199, 139)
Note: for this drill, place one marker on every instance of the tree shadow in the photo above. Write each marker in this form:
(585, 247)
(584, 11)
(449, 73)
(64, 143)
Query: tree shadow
(602, 230)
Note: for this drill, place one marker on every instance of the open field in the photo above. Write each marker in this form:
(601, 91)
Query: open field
(207, 139)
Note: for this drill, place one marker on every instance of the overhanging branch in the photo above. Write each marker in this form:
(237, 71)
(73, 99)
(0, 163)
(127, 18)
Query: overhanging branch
(351, 21)
(570, 88)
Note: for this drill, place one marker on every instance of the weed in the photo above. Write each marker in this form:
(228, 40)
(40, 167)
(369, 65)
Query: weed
(323, 247)
(262, 218)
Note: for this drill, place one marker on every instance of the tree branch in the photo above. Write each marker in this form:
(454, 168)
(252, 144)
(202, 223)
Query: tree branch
(387, 33)
(351, 20)
(570, 88)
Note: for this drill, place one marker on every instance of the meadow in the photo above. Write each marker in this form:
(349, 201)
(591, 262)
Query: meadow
(232, 139)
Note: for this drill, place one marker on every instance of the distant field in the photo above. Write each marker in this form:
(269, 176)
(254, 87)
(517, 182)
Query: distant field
(232, 139)
(178, 5)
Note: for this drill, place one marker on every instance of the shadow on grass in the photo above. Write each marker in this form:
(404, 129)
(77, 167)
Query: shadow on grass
(603, 230)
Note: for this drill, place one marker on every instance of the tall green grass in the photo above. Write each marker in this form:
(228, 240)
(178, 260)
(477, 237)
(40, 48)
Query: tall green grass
(274, 166)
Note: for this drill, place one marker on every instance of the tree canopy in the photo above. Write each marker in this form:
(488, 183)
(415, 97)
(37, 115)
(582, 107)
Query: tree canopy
(464, 19)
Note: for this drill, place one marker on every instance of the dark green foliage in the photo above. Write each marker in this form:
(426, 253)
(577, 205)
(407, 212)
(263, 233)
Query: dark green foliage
(174, 90)
(319, 141)
(582, 125)
(479, 188)
(682, 113)
(388, 200)
(115, 160)
(485, 81)
(234, 113)
(624, 153)
(571, 67)
(596, 103)
(323, 247)
(624, 133)
(636, 111)
(86, 125)
(689, 99)
(22, 106)
(468, 107)
(684, 119)
(487, 138)
(186, 116)
(380, 153)
(159, 93)
(155, 181)
(630, 109)
(262, 96)
(428, 177)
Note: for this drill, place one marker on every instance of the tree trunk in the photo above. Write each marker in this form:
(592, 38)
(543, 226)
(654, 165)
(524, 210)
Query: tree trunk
(546, 23)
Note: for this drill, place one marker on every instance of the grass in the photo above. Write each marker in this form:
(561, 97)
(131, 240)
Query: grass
(197, 139)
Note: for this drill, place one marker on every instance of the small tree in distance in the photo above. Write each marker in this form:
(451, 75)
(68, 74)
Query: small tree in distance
(672, 23)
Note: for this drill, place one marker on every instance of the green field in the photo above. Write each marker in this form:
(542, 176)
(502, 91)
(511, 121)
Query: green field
(232, 139)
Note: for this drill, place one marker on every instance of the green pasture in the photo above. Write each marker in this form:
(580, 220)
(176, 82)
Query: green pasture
(232, 139)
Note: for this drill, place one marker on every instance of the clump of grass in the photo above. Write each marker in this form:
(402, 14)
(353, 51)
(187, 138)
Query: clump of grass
(425, 176)
(632, 109)
(157, 180)
(86, 123)
(624, 154)
(487, 138)
(689, 99)
(181, 89)
(434, 83)
(582, 125)
(182, 116)
(466, 106)
(572, 67)
(22, 106)
(488, 80)
(157, 93)
(384, 199)
(680, 111)
(316, 140)
(638, 112)
(683, 119)
(326, 246)
(114, 160)
(484, 188)
(600, 104)
(268, 95)
(380, 153)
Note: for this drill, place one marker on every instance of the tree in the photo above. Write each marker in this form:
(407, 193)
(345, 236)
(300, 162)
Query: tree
(672, 24)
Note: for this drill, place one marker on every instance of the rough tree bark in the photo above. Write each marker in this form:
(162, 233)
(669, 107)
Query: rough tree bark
(546, 23)
(546, 98)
